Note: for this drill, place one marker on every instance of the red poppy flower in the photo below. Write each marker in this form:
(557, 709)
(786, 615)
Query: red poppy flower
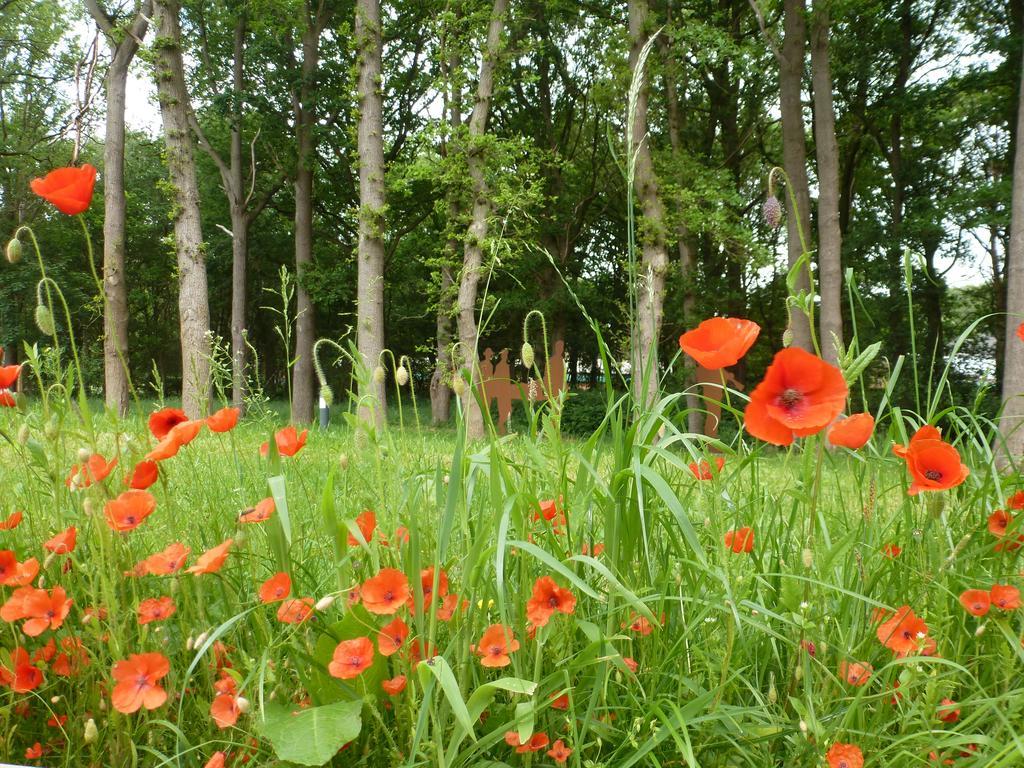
(856, 673)
(167, 561)
(262, 511)
(559, 752)
(547, 598)
(741, 540)
(394, 686)
(288, 441)
(934, 465)
(223, 420)
(166, 449)
(295, 610)
(95, 469)
(927, 432)
(127, 511)
(366, 523)
(22, 675)
(976, 601)
(34, 752)
(845, 756)
(1005, 597)
(638, 624)
(68, 189)
(14, 608)
(138, 682)
(1020, 331)
(225, 710)
(212, 560)
(9, 375)
(216, 760)
(998, 522)
(799, 396)
(12, 521)
(277, 587)
(156, 609)
(163, 421)
(144, 475)
(427, 584)
(63, 543)
(7, 399)
(185, 432)
(552, 512)
(392, 637)
(702, 469)
(892, 551)
(853, 432)
(495, 646)
(560, 703)
(446, 609)
(386, 592)
(904, 632)
(719, 342)
(536, 742)
(15, 574)
(947, 711)
(351, 658)
(45, 610)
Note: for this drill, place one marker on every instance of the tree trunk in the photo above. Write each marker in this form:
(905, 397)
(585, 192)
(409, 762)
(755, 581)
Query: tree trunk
(193, 299)
(1011, 424)
(476, 235)
(240, 221)
(124, 44)
(370, 290)
(830, 239)
(440, 392)
(650, 288)
(794, 157)
(305, 123)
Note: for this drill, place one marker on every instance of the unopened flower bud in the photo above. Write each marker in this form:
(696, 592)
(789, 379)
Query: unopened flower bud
(808, 556)
(324, 602)
(527, 354)
(327, 395)
(773, 693)
(91, 731)
(44, 320)
(41, 581)
(52, 429)
(14, 250)
(459, 386)
(54, 699)
(24, 434)
(87, 507)
(402, 376)
(49, 561)
(190, 643)
(379, 374)
(787, 337)
(980, 630)
(242, 703)
(803, 727)
(84, 454)
(771, 212)
(343, 461)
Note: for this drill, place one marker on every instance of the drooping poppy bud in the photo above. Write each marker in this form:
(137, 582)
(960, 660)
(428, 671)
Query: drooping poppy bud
(14, 250)
(44, 320)
(527, 354)
(771, 212)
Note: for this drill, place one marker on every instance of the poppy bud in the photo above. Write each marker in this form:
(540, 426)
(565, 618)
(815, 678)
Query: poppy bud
(24, 434)
(41, 581)
(787, 337)
(327, 395)
(242, 703)
(527, 354)
(402, 376)
(91, 731)
(52, 429)
(803, 723)
(980, 630)
(84, 454)
(771, 212)
(44, 320)
(808, 558)
(324, 602)
(343, 461)
(14, 250)
(798, 673)
(48, 562)
(103, 705)
(200, 639)
(87, 507)
(379, 374)
(773, 693)
(189, 643)
(458, 386)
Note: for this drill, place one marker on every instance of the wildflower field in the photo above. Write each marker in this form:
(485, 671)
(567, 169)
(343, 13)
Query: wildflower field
(209, 593)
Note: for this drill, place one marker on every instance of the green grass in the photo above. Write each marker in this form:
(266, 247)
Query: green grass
(725, 678)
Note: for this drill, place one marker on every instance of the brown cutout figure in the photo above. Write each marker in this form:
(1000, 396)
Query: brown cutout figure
(710, 383)
(496, 382)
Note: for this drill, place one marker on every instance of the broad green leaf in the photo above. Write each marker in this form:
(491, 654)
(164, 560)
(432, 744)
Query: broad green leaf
(439, 668)
(314, 735)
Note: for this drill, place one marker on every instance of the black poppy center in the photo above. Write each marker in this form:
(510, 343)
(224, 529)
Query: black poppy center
(933, 474)
(791, 397)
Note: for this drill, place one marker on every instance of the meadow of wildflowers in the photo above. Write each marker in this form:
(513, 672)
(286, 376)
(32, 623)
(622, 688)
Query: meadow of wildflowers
(831, 587)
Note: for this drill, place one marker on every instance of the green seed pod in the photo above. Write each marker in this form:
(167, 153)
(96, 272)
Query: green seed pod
(327, 395)
(14, 251)
(527, 354)
(379, 374)
(44, 320)
(402, 376)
